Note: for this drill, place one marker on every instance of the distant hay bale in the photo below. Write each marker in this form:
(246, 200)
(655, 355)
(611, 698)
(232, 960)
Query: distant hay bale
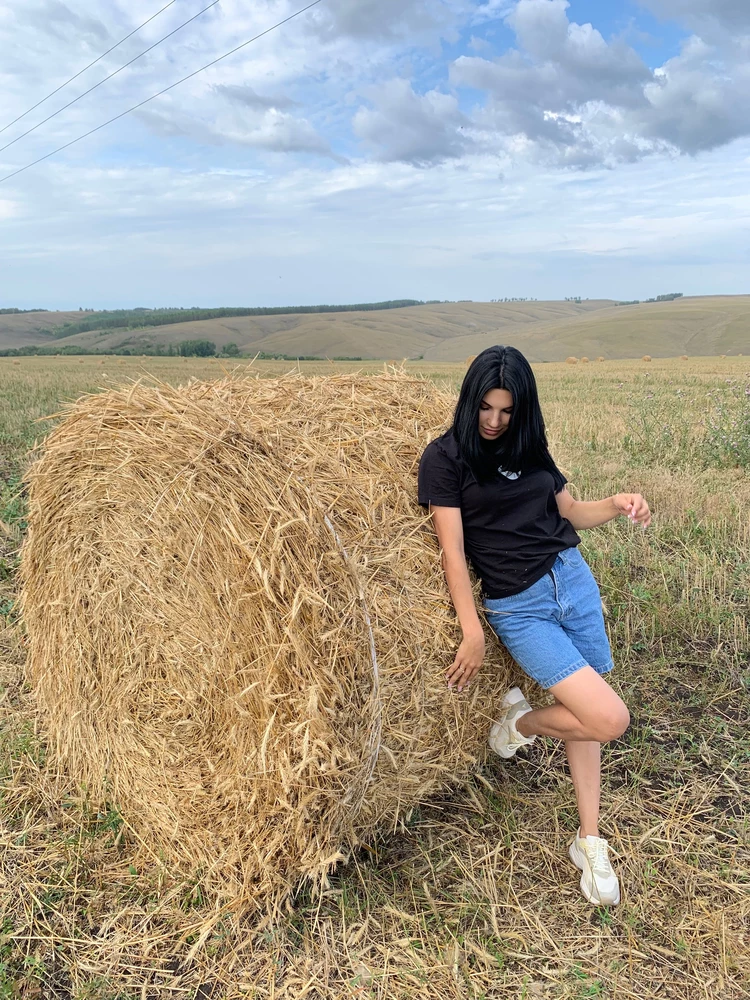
(584, 361)
(16, 362)
(238, 626)
(600, 358)
(722, 355)
(571, 361)
(646, 357)
(684, 357)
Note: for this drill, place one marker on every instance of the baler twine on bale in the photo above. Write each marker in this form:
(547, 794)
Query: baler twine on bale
(377, 730)
(238, 622)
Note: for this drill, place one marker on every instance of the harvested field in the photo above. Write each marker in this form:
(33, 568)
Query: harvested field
(472, 894)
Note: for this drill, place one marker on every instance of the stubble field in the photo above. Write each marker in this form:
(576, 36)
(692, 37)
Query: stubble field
(474, 896)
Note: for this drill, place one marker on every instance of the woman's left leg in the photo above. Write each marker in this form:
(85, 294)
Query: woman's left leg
(585, 698)
(584, 759)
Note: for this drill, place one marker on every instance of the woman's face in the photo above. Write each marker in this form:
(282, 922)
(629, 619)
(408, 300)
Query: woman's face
(494, 414)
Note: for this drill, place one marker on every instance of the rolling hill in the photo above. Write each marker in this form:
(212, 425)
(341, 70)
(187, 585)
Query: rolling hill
(544, 331)
(22, 329)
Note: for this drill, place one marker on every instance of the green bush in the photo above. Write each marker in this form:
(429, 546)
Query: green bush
(197, 348)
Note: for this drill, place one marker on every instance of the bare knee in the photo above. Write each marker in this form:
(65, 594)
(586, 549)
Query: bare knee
(608, 723)
(611, 723)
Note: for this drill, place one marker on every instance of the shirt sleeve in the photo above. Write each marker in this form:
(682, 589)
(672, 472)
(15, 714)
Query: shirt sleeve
(564, 479)
(439, 479)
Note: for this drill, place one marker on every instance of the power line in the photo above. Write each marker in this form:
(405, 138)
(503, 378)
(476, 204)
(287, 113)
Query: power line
(114, 73)
(161, 92)
(81, 71)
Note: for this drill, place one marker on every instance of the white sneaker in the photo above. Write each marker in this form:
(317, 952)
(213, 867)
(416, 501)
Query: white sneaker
(598, 882)
(504, 737)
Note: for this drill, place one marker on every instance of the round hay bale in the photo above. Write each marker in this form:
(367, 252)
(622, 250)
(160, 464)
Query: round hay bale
(684, 357)
(571, 361)
(16, 362)
(238, 624)
(584, 361)
(646, 357)
(600, 358)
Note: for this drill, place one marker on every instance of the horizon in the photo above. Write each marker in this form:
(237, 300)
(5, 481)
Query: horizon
(405, 303)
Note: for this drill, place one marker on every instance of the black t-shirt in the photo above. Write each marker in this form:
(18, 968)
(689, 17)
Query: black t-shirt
(513, 530)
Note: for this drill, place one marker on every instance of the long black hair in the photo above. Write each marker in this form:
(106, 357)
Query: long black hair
(523, 446)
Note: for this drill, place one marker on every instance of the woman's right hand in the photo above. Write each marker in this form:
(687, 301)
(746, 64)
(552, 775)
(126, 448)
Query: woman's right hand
(469, 659)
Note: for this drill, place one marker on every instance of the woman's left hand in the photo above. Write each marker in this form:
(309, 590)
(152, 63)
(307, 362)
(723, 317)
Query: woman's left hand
(634, 506)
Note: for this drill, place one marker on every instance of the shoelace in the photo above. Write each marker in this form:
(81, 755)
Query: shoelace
(599, 857)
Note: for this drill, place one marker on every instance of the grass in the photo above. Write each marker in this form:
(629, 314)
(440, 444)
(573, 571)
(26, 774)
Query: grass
(472, 897)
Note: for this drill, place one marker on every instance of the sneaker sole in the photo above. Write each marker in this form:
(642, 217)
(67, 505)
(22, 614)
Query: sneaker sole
(595, 900)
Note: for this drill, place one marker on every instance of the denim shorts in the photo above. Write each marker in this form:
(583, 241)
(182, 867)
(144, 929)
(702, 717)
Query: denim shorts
(555, 626)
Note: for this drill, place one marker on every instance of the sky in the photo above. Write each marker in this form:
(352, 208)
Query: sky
(375, 149)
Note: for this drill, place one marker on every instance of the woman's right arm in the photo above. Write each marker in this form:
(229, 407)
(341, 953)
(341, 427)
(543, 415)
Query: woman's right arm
(470, 655)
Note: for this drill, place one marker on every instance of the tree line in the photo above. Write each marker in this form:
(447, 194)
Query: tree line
(17, 312)
(136, 319)
(669, 297)
(185, 348)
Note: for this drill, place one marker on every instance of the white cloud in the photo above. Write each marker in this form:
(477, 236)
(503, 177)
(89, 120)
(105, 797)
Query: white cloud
(732, 15)
(413, 128)
(245, 95)
(566, 95)
(269, 129)
(492, 10)
(696, 102)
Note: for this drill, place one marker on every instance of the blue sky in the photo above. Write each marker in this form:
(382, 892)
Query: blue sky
(374, 149)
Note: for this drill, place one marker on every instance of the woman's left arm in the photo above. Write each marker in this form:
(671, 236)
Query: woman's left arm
(591, 513)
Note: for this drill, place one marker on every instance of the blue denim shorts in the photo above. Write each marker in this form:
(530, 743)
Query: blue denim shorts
(555, 626)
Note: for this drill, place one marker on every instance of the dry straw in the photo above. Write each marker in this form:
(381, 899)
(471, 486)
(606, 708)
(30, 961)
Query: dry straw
(238, 623)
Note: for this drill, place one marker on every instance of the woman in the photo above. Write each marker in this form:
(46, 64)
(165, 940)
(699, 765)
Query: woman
(497, 498)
